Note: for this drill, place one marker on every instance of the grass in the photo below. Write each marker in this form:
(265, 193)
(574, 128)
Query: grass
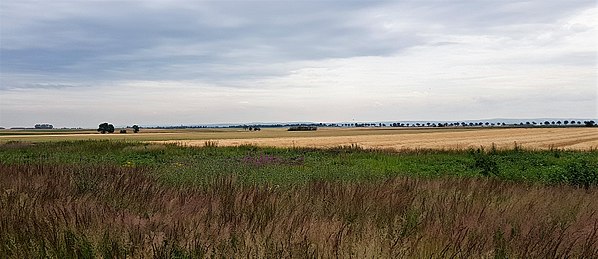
(89, 199)
(194, 165)
(67, 211)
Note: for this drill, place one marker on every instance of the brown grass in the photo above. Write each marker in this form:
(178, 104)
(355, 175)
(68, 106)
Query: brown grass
(74, 211)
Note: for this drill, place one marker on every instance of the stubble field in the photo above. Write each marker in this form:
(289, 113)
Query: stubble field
(542, 138)
(581, 138)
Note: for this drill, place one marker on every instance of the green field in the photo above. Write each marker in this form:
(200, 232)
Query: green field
(121, 198)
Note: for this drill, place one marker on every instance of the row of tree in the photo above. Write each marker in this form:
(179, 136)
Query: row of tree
(109, 128)
(590, 123)
(251, 128)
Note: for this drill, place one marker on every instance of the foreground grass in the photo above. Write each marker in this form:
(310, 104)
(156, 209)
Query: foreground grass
(86, 211)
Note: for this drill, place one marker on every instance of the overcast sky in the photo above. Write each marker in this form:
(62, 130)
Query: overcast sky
(79, 63)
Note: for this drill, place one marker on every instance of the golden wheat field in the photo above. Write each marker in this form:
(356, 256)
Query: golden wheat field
(385, 138)
(543, 138)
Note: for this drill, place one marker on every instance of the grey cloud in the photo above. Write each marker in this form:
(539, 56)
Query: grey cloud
(118, 40)
(113, 39)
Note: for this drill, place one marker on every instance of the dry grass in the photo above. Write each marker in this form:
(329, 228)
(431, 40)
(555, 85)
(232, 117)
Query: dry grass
(81, 211)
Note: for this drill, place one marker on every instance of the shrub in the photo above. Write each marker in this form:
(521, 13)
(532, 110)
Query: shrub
(485, 163)
(582, 173)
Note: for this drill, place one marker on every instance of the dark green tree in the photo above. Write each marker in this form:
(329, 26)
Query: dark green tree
(105, 127)
(135, 128)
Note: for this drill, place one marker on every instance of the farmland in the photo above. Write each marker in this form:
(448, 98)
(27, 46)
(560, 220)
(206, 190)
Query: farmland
(330, 193)
(581, 138)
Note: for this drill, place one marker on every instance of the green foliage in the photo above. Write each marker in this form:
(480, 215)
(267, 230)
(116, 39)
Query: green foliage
(251, 164)
(484, 162)
(105, 127)
(582, 173)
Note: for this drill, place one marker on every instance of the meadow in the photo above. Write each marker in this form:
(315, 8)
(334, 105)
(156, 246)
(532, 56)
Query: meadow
(130, 198)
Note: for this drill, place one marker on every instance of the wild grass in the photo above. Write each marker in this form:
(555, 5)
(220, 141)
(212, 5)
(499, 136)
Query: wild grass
(89, 199)
(198, 165)
(86, 211)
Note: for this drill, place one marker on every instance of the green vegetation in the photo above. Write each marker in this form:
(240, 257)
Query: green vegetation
(90, 199)
(181, 165)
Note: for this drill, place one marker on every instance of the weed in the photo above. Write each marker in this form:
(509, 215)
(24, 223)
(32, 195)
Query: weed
(484, 162)
(582, 174)
(210, 143)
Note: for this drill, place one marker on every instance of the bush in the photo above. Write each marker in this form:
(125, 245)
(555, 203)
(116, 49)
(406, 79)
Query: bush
(582, 173)
(485, 163)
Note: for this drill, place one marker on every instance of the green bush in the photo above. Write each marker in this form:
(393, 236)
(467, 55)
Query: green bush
(484, 163)
(582, 173)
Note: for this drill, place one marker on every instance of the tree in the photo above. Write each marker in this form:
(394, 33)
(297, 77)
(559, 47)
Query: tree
(135, 128)
(105, 127)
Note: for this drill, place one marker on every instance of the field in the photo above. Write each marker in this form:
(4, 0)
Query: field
(378, 193)
(545, 138)
(581, 138)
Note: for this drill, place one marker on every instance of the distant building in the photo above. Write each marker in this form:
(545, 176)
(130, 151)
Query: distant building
(44, 126)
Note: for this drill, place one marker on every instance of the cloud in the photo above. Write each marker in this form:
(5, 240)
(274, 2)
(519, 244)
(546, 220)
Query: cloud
(295, 60)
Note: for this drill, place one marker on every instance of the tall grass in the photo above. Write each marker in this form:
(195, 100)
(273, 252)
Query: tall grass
(66, 210)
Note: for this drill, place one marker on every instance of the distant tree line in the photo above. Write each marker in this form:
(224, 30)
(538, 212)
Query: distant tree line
(251, 128)
(303, 128)
(524, 124)
(43, 126)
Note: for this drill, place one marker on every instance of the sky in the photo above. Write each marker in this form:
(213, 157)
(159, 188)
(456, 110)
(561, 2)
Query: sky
(79, 63)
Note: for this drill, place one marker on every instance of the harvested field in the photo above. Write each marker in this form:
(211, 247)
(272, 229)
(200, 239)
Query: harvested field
(542, 138)
(580, 138)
